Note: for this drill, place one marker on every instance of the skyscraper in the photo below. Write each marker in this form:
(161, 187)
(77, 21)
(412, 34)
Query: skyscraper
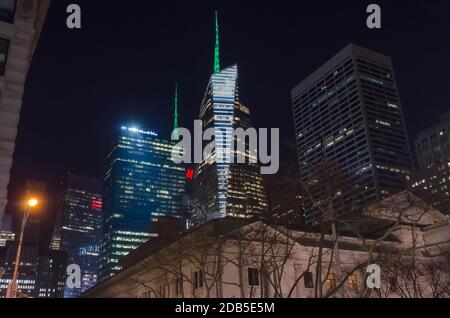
(21, 22)
(349, 113)
(79, 229)
(141, 185)
(222, 187)
(433, 144)
(433, 155)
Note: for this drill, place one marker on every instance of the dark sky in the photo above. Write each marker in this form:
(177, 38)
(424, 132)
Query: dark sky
(121, 67)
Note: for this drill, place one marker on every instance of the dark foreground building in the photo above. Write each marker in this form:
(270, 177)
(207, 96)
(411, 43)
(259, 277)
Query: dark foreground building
(349, 113)
(432, 180)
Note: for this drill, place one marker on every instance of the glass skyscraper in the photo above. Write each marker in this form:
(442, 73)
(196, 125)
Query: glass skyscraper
(348, 112)
(141, 185)
(78, 229)
(222, 187)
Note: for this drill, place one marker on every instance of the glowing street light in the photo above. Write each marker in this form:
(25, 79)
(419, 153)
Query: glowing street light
(32, 202)
(13, 285)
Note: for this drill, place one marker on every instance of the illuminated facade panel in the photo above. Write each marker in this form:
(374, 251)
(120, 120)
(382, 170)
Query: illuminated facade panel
(222, 188)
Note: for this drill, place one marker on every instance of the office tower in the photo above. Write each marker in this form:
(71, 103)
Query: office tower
(433, 144)
(433, 155)
(78, 229)
(51, 277)
(21, 22)
(222, 187)
(141, 185)
(348, 113)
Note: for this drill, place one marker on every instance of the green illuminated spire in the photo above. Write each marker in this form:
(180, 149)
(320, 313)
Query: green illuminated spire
(175, 116)
(217, 49)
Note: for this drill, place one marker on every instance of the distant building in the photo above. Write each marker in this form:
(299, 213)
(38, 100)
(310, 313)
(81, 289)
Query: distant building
(21, 22)
(349, 113)
(284, 196)
(28, 270)
(142, 184)
(51, 278)
(29, 260)
(260, 260)
(433, 144)
(6, 231)
(221, 186)
(432, 180)
(79, 229)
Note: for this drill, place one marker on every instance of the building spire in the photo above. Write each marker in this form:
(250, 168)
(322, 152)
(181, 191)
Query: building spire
(217, 48)
(175, 115)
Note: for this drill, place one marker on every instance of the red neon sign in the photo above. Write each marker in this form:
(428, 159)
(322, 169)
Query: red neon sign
(97, 204)
(190, 174)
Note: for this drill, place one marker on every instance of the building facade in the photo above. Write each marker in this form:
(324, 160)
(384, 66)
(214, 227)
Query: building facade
(79, 229)
(141, 185)
(260, 260)
(21, 22)
(348, 112)
(51, 277)
(29, 260)
(433, 156)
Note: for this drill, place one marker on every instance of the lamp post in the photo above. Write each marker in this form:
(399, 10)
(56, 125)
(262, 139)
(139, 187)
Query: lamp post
(12, 288)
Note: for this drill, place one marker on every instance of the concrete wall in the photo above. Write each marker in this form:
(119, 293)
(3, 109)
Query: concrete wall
(23, 35)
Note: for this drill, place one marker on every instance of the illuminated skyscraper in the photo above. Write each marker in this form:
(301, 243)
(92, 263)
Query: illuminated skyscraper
(221, 187)
(78, 229)
(348, 112)
(142, 184)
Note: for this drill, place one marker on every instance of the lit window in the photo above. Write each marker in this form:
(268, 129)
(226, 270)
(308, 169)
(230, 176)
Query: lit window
(331, 281)
(353, 282)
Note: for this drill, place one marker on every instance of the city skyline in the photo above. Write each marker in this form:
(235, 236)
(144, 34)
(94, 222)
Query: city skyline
(96, 113)
(101, 104)
(101, 107)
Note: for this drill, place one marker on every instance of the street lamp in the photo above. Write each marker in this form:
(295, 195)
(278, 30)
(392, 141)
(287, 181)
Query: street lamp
(12, 288)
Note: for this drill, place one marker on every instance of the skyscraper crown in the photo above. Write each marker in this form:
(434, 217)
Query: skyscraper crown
(217, 48)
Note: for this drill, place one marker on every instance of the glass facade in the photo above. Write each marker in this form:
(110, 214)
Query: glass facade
(79, 229)
(141, 185)
(222, 188)
(348, 112)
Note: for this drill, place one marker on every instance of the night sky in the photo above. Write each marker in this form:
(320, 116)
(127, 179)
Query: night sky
(121, 68)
